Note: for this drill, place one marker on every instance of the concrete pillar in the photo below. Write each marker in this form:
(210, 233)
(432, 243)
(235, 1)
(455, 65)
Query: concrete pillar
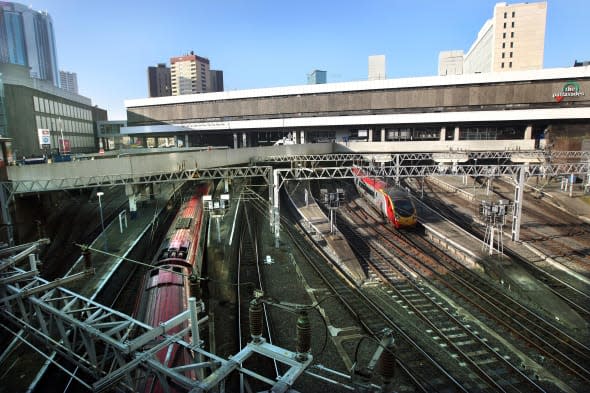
(370, 135)
(456, 136)
(302, 136)
(528, 132)
(244, 140)
(383, 135)
(130, 192)
(443, 134)
(235, 140)
(186, 144)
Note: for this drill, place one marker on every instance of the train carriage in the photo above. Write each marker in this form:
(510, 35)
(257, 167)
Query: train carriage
(166, 287)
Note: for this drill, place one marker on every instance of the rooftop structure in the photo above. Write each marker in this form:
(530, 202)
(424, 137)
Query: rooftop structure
(377, 67)
(316, 77)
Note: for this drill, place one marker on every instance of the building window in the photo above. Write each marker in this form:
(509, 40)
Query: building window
(503, 35)
(510, 54)
(502, 65)
(512, 44)
(510, 65)
(513, 13)
(503, 45)
(504, 24)
(505, 15)
(512, 24)
(503, 54)
(512, 35)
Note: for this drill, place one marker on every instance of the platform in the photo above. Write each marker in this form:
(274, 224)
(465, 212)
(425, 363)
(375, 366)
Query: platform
(119, 238)
(318, 225)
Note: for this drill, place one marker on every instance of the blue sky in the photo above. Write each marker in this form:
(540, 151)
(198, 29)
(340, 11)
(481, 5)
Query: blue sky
(266, 43)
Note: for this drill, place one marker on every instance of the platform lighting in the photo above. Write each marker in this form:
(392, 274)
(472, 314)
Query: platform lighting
(99, 195)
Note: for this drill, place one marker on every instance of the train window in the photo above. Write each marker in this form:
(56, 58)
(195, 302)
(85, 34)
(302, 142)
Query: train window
(183, 223)
(154, 272)
(177, 269)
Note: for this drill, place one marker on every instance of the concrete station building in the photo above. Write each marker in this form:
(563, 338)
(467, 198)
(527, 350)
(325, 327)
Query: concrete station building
(510, 110)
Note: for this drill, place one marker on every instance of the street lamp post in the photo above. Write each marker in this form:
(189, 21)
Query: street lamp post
(99, 195)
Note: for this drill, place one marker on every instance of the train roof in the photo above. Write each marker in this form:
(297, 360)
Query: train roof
(397, 193)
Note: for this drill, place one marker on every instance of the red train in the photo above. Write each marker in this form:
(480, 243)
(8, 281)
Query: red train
(166, 286)
(392, 202)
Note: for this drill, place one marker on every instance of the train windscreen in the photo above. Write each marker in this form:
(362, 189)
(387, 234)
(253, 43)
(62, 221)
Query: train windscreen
(404, 207)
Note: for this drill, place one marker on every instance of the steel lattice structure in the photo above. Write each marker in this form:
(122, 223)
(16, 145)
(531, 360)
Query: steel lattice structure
(432, 156)
(27, 186)
(113, 349)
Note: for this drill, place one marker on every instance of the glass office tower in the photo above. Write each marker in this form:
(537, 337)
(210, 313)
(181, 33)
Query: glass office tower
(27, 39)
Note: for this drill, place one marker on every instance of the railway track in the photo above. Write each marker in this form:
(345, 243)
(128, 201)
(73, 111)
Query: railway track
(370, 306)
(464, 343)
(571, 291)
(563, 236)
(432, 265)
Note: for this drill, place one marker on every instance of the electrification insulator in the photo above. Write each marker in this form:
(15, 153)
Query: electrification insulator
(255, 313)
(87, 259)
(387, 362)
(195, 286)
(303, 335)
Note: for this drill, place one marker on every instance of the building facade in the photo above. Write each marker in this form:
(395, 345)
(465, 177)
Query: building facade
(317, 77)
(68, 81)
(512, 40)
(42, 119)
(27, 39)
(189, 74)
(215, 80)
(516, 106)
(159, 82)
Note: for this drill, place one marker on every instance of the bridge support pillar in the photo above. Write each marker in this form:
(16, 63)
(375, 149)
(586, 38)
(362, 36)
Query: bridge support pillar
(456, 135)
(130, 192)
(528, 132)
(244, 140)
(301, 137)
(276, 213)
(517, 208)
(443, 134)
(235, 140)
(383, 135)
(6, 215)
(186, 143)
(370, 135)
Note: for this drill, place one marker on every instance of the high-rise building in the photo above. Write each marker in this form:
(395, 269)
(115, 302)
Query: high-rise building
(317, 77)
(27, 39)
(216, 80)
(513, 39)
(68, 81)
(376, 67)
(189, 74)
(159, 82)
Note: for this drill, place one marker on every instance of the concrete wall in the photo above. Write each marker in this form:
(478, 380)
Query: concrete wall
(414, 146)
(136, 166)
(526, 94)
